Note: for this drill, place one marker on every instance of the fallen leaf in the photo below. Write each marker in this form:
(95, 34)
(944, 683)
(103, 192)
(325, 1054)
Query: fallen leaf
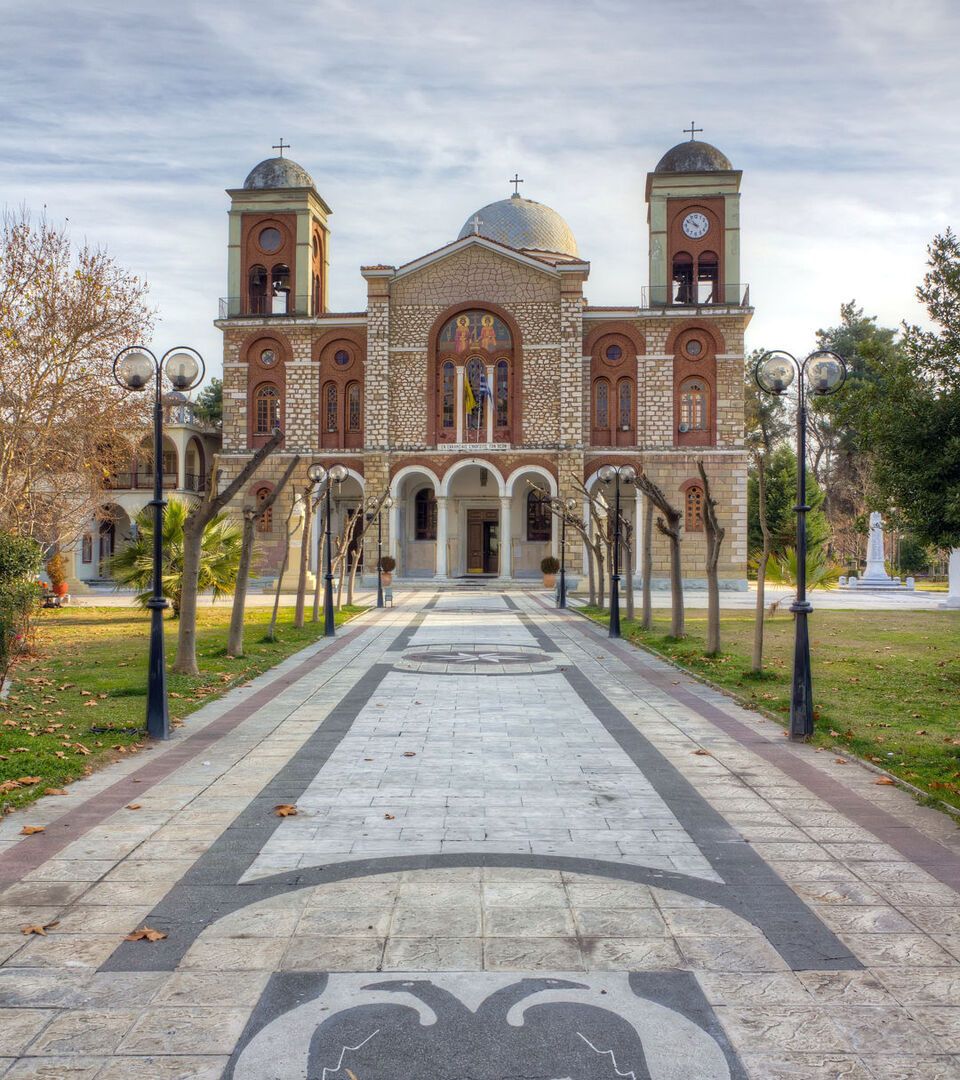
(702, 752)
(285, 810)
(922, 731)
(145, 933)
(134, 806)
(80, 748)
(885, 780)
(55, 791)
(41, 930)
(86, 693)
(29, 830)
(839, 761)
(29, 780)
(390, 817)
(409, 753)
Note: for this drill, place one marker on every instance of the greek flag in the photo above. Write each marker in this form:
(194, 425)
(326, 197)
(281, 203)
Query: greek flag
(484, 388)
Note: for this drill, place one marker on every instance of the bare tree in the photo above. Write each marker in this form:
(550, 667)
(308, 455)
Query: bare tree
(65, 425)
(288, 536)
(366, 522)
(669, 525)
(647, 563)
(760, 463)
(185, 662)
(321, 564)
(626, 543)
(714, 535)
(251, 515)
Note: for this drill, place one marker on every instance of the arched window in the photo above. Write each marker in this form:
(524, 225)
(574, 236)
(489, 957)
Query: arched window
(502, 394)
(266, 410)
(353, 407)
(601, 404)
(265, 521)
(280, 289)
(694, 406)
(625, 404)
(708, 278)
(330, 407)
(425, 515)
(539, 517)
(683, 278)
(448, 418)
(257, 290)
(693, 505)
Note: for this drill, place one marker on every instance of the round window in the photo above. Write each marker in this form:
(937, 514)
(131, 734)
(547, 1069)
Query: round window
(270, 240)
(341, 357)
(693, 347)
(268, 358)
(613, 353)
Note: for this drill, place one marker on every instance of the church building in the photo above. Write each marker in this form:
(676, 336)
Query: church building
(479, 378)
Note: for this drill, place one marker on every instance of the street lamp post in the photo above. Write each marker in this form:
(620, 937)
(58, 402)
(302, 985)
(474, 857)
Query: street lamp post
(375, 506)
(820, 373)
(625, 474)
(133, 368)
(564, 506)
(317, 474)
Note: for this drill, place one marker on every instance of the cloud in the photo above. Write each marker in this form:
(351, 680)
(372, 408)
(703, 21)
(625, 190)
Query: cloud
(132, 119)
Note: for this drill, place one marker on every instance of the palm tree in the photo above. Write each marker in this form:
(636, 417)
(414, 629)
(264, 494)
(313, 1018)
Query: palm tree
(219, 556)
(821, 572)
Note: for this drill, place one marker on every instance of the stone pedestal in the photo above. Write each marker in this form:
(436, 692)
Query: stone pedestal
(875, 578)
(953, 589)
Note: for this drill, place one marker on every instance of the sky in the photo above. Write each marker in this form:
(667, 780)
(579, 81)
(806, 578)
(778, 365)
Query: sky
(129, 118)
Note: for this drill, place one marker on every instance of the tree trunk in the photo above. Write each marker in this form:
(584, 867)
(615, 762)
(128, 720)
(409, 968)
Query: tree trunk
(591, 571)
(272, 631)
(250, 519)
(235, 640)
(647, 564)
(304, 561)
(597, 552)
(714, 536)
(338, 570)
(669, 525)
(628, 576)
(355, 563)
(757, 660)
(185, 662)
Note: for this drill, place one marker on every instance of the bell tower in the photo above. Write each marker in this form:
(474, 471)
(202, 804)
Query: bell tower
(693, 212)
(279, 243)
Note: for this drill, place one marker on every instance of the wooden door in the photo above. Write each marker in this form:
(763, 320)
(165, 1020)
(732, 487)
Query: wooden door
(474, 541)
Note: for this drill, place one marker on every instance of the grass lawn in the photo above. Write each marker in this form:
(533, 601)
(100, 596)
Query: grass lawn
(80, 701)
(886, 684)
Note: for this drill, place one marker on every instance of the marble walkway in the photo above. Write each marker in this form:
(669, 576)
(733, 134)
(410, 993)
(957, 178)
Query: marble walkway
(520, 852)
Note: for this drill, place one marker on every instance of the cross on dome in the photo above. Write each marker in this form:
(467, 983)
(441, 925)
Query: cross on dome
(281, 146)
(516, 181)
(691, 131)
(476, 222)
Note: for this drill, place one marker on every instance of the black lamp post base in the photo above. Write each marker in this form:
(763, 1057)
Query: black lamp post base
(801, 701)
(158, 714)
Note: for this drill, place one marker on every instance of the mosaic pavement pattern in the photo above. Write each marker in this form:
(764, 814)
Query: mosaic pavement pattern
(520, 851)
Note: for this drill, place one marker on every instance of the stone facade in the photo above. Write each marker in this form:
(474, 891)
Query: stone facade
(473, 487)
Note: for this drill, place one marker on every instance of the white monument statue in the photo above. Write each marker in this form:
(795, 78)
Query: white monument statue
(875, 576)
(876, 571)
(953, 589)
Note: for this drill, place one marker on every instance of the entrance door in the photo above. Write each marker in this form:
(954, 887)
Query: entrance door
(108, 535)
(483, 541)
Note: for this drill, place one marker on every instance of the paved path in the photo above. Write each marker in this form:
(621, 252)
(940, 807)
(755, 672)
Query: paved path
(520, 851)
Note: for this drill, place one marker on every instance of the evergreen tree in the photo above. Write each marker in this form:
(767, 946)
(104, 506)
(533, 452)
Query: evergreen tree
(781, 499)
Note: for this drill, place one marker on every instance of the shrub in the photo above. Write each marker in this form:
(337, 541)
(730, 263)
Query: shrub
(20, 557)
(549, 565)
(57, 570)
(388, 564)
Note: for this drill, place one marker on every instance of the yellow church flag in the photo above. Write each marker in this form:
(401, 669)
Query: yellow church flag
(468, 397)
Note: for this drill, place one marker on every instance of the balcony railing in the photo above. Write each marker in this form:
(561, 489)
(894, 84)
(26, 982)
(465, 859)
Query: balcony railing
(253, 306)
(140, 481)
(194, 482)
(696, 294)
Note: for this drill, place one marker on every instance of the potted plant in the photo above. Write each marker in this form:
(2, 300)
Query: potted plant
(387, 566)
(549, 567)
(57, 572)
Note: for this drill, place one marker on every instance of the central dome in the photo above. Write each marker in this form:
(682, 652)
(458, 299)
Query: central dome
(277, 172)
(524, 224)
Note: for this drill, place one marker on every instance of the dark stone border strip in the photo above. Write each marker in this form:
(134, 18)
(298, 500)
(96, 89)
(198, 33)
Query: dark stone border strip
(212, 889)
(34, 851)
(938, 861)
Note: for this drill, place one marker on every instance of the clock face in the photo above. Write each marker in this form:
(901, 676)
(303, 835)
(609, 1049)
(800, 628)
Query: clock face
(696, 225)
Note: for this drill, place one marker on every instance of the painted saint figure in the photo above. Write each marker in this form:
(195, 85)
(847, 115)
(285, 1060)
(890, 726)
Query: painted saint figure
(488, 334)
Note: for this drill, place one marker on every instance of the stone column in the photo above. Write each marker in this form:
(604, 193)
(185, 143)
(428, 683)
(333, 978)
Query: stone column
(393, 520)
(441, 536)
(506, 537)
(953, 589)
